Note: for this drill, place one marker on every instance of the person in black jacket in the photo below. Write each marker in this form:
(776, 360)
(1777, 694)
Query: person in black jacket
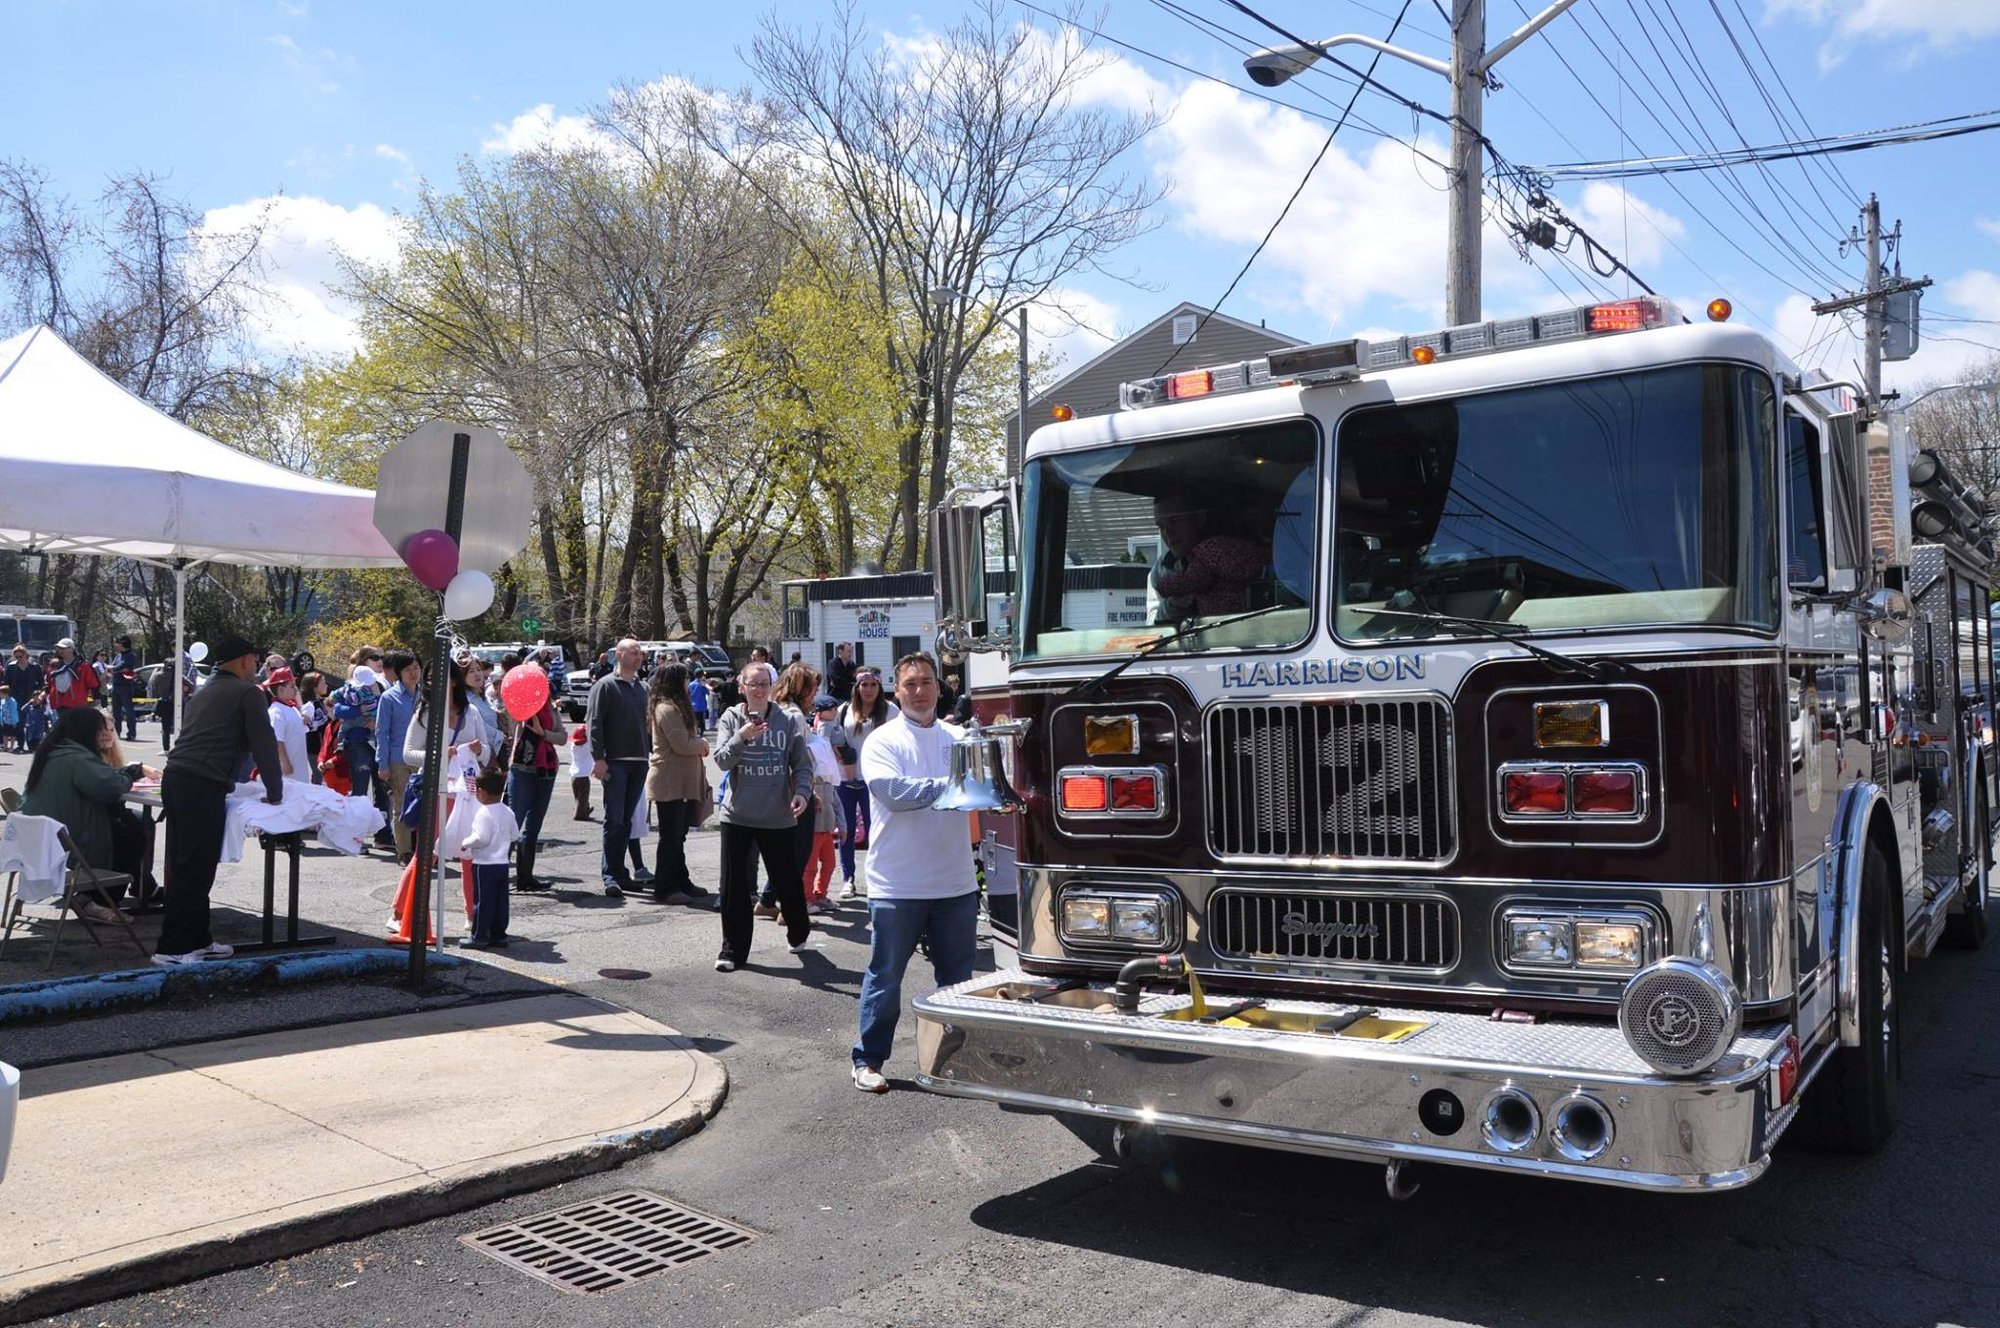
(23, 678)
(221, 724)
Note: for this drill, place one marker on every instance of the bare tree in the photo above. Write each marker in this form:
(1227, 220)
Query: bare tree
(144, 292)
(1963, 425)
(977, 174)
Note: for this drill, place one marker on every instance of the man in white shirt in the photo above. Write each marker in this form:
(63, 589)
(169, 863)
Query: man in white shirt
(919, 871)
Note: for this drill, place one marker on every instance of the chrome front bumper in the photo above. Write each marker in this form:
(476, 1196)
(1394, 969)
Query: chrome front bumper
(1344, 1097)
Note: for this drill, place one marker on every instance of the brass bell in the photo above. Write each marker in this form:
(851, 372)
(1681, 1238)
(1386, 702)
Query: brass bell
(978, 781)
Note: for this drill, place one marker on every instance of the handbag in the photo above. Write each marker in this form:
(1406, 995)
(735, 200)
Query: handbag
(705, 806)
(412, 813)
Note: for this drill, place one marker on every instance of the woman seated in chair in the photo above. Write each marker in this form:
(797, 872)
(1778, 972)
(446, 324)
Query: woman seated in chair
(72, 780)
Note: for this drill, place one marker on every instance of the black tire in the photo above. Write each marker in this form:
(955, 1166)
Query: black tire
(1851, 1106)
(1968, 930)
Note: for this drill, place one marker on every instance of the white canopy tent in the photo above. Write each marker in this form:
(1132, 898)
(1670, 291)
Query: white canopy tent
(87, 467)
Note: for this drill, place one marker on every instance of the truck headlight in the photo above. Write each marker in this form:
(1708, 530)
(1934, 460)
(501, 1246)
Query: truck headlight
(1619, 946)
(1540, 942)
(1606, 941)
(1139, 919)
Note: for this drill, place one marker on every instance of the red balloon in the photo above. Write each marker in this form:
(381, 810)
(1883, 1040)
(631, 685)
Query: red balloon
(432, 557)
(524, 691)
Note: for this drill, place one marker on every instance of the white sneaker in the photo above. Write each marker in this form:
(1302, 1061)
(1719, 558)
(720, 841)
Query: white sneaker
(816, 908)
(803, 947)
(847, 895)
(215, 950)
(869, 1079)
(725, 965)
(175, 961)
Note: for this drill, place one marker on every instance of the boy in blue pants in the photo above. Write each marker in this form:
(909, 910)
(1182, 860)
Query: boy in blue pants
(490, 846)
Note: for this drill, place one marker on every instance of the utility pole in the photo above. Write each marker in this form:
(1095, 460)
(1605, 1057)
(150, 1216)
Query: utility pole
(1872, 299)
(1871, 317)
(1468, 186)
(1470, 65)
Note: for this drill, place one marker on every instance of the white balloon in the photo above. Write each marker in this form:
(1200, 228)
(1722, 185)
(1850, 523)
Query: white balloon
(198, 651)
(469, 595)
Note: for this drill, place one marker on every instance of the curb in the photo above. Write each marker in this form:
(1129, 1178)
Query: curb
(142, 986)
(281, 1240)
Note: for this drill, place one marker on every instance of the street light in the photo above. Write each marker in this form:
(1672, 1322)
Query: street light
(1469, 65)
(1991, 385)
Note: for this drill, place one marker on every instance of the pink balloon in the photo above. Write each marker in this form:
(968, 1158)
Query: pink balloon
(524, 691)
(432, 557)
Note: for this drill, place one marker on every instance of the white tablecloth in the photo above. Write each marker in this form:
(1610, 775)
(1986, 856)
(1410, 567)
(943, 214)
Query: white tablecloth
(342, 823)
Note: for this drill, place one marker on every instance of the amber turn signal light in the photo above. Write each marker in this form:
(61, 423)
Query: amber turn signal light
(1572, 724)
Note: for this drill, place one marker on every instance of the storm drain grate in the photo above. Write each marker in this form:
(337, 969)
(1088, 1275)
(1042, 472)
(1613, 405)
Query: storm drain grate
(610, 1241)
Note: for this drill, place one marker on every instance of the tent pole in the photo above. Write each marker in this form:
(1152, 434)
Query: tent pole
(174, 662)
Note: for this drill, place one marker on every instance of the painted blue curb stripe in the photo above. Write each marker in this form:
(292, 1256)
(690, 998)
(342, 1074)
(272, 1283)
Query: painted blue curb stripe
(101, 991)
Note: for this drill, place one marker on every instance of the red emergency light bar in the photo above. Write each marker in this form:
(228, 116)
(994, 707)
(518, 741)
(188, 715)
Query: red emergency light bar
(1338, 360)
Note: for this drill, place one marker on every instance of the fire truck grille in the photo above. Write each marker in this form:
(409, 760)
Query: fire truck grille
(1374, 931)
(1366, 781)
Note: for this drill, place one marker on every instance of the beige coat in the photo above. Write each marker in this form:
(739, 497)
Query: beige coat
(675, 771)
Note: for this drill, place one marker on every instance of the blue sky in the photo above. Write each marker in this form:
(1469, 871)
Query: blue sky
(340, 108)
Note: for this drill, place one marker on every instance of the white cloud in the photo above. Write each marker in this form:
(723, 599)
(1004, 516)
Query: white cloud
(1369, 226)
(541, 127)
(395, 154)
(302, 241)
(1074, 326)
(1931, 24)
(1990, 226)
(1634, 229)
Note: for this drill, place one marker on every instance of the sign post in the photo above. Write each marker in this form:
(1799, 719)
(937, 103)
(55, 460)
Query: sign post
(466, 482)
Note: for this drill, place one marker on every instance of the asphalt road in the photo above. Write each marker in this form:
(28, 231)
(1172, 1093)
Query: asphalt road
(913, 1209)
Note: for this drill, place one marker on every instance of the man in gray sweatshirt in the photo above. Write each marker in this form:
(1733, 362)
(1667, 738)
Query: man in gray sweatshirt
(762, 752)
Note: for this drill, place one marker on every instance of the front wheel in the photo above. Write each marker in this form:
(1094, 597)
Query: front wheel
(1851, 1106)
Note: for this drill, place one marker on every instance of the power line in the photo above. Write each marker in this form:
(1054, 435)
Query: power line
(1238, 44)
(1692, 125)
(1924, 131)
(1727, 200)
(1593, 249)
(1831, 169)
(1285, 211)
(1778, 115)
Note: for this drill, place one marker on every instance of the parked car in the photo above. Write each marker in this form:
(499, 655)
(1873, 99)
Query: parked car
(147, 698)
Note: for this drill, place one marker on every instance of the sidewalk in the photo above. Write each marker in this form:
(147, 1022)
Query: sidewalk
(141, 1170)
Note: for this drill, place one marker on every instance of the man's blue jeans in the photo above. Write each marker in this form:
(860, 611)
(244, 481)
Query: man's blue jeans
(622, 782)
(896, 925)
(124, 714)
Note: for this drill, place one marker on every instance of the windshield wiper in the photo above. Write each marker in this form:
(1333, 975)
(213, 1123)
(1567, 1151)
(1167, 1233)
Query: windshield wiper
(1602, 670)
(1192, 629)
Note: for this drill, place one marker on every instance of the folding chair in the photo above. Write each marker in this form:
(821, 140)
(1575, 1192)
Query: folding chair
(24, 850)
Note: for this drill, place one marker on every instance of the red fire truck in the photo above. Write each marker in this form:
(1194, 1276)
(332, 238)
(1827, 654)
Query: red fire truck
(1538, 745)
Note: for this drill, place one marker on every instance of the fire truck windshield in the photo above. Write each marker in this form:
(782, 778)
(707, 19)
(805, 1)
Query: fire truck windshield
(1637, 498)
(1123, 546)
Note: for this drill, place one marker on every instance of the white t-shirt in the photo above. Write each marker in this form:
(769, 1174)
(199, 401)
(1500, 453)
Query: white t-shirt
(290, 727)
(491, 836)
(580, 762)
(914, 850)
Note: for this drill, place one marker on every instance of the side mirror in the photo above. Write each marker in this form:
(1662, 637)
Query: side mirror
(958, 552)
(1884, 615)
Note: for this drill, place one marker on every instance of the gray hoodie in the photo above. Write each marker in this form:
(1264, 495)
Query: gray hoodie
(763, 776)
